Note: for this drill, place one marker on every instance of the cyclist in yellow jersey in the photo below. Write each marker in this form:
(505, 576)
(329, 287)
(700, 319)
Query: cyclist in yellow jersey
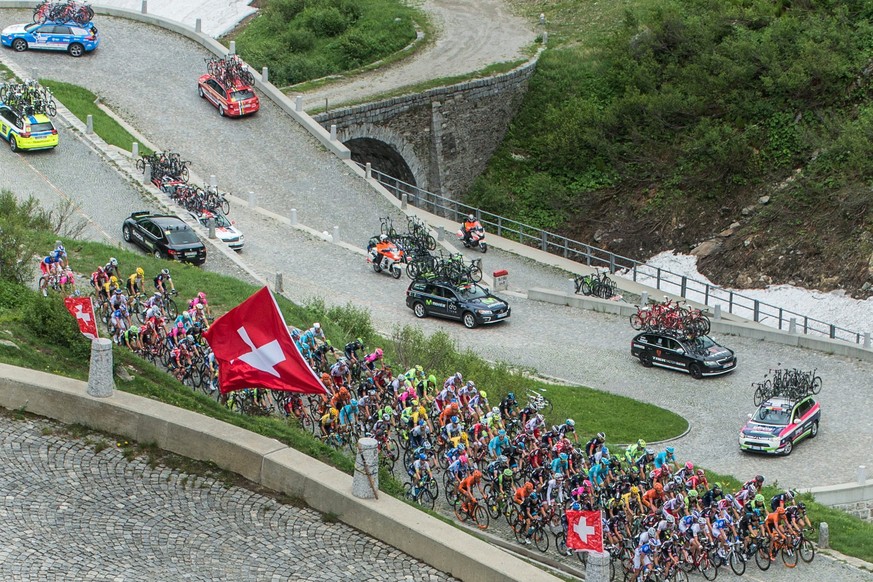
(631, 497)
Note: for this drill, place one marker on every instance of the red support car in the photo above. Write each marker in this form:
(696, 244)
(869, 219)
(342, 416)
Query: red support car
(234, 101)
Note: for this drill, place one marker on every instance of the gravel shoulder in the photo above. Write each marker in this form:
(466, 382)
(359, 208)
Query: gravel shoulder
(469, 37)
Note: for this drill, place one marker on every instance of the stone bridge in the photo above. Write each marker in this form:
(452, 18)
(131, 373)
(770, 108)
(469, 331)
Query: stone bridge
(439, 140)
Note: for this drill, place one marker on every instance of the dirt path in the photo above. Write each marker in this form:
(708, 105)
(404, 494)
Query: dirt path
(469, 37)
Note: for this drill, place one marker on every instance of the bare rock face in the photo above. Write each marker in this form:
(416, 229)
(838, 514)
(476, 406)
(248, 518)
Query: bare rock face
(706, 248)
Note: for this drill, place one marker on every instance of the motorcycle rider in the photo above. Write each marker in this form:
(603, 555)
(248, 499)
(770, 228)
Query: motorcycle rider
(383, 247)
(469, 226)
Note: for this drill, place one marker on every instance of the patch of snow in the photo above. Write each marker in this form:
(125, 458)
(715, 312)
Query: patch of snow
(217, 17)
(834, 307)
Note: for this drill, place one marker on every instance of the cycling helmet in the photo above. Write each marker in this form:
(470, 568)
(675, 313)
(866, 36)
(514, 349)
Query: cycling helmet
(528, 486)
(140, 272)
(563, 456)
(316, 326)
(780, 510)
(659, 488)
(692, 494)
(180, 325)
(650, 452)
(113, 261)
(670, 450)
(576, 506)
(635, 490)
(641, 444)
(759, 479)
(507, 472)
(462, 446)
(511, 396)
(679, 498)
(495, 410)
(601, 436)
(801, 506)
(700, 473)
(334, 411)
(540, 417)
(114, 279)
(471, 217)
(652, 532)
(477, 474)
(689, 466)
(165, 272)
(534, 495)
(386, 416)
(454, 420)
(421, 422)
(201, 296)
(729, 497)
(605, 452)
(646, 549)
(427, 445)
(379, 352)
(431, 379)
(463, 459)
(501, 432)
(759, 498)
(792, 493)
(353, 402)
(422, 456)
(382, 238)
(483, 394)
(199, 307)
(669, 517)
(118, 291)
(458, 376)
(117, 313)
(701, 520)
(570, 422)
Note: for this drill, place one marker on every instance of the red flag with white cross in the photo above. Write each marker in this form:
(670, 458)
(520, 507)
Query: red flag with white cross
(254, 349)
(584, 531)
(83, 310)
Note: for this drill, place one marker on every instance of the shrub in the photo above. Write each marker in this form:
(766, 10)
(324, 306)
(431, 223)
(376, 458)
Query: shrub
(14, 296)
(325, 22)
(22, 225)
(49, 319)
(298, 39)
(280, 11)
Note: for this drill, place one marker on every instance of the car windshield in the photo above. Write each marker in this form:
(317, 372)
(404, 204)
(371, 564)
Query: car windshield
(221, 221)
(181, 237)
(701, 344)
(472, 292)
(241, 95)
(30, 27)
(773, 415)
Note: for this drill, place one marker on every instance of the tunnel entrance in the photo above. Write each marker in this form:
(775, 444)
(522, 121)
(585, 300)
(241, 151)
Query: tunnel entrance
(382, 157)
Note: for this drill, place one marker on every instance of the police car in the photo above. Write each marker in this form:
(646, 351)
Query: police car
(472, 304)
(27, 132)
(699, 356)
(779, 424)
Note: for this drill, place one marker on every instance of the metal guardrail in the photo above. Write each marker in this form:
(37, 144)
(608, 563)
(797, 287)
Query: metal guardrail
(662, 279)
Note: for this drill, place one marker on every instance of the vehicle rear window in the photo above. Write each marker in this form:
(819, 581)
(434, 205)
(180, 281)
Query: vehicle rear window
(182, 237)
(241, 95)
(38, 127)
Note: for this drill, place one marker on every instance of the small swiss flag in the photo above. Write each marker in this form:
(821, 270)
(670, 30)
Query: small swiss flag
(83, 310)
(584, 531)
(254, 349)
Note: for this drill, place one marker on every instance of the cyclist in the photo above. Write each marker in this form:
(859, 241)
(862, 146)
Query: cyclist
(465, 489)
(419, 433)
(136, 283)
(797, 517)
(329, 420)
(594, 444)
(783, 499)
(642, 561)
(340, 372)
(712, 496)
(420, 469)
(505, 481)
(507, 406)
(163, 282)
(371, 359)
(98, 278)
(119, 323)
(757, 483)
(132, 338)
(351, 350)
(348, 415)
(653, 497)
(111, 268)
(774, 529)
(665, 458)
(200, 299)
(181, 359)
(313, 336)
(531, 510)
(497, 444)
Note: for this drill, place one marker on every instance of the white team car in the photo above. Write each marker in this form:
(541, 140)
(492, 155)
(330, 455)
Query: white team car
(225, 229)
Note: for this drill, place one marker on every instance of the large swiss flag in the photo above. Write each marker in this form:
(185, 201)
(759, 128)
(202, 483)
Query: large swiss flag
(83, 310)
(584, 531)
(254, 349)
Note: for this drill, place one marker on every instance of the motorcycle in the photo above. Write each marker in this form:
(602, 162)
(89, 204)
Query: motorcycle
(476, 239)
(388, 260)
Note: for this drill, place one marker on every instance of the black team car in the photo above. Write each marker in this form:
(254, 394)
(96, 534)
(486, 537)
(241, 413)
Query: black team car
(700, 356)
(471, 304)
(164, 236)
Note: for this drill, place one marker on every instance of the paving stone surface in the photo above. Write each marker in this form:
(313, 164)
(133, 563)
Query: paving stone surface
(68, 512)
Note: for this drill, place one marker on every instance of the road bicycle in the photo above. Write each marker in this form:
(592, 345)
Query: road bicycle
(596, 284)
(474, 511)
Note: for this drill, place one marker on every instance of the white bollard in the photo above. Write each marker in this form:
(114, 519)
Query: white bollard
(792, 325)
(278, 286)
(866, 340)
(147, 173)
(332, 132)
(571, 286)
(404, 201)
(336, 237)
(597, 568)
(298, 103)
(211, 225)
(441, 232)
(100, 381)
(644, 298)
(198, 25)
(232, 49)
(265, 75)
(134, 151)
(716, 311)
(365, 483)
(293, 217)
(145, 7)
(213, 181)
(824, 535)
(89, 124)
(252, 199)
(862, 474)
(369, 170)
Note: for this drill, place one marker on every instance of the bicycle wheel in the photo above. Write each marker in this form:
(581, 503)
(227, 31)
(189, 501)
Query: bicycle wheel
(493, 505)
(762, 556)
(196, 378)
(225, 205)
(758, 397)
(461, 513)
(452, 496)
(737, 563)
(481, 517)
(427, 499)
(561, 544)
(806, 550)
(172, 310)
(307, 423)
(707, 567)
(636, 321)
(815, 385)
(390, 453)
(789, 556)
(475, 274)
(679, 575)
(541, 540)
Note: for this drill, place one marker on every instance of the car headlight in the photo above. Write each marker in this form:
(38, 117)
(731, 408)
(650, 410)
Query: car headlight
(483, 311)
(710, 364)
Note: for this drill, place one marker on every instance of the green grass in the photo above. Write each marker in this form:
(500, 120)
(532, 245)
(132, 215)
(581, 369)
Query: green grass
(81, 102)
(489, 71)
(301, 40)
(6, 75)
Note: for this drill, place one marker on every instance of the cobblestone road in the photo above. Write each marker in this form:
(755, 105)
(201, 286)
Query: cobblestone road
(70, 513)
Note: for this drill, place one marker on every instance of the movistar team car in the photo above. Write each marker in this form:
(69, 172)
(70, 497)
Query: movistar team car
(779, 424)
(700, 356)
(225, 230)
(164, 235)
(76, 39)
(471, 304)
(27, 132)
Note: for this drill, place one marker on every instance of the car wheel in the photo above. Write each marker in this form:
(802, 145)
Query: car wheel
(646, 359)
(200, 92)
(469, 320)
(76, 50)
(19, 45)
(158, 254)
(695, 371)
(419, 310)
(814, 432)
(125, 233)
(13, 143)
(221, 110)
(789, 446)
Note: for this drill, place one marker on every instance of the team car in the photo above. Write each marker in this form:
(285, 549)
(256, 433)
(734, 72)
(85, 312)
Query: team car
(700, 356)
(231, 101)
(165, 236)
(225, 229)
(779, 424)
(471, 304)
(27, 132)
(76, 39)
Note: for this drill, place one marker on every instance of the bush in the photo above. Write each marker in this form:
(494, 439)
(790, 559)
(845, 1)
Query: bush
(14, 296)
(325, 21)
(22, 226)
(279, 11)
(49, 319)
(298, 40)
